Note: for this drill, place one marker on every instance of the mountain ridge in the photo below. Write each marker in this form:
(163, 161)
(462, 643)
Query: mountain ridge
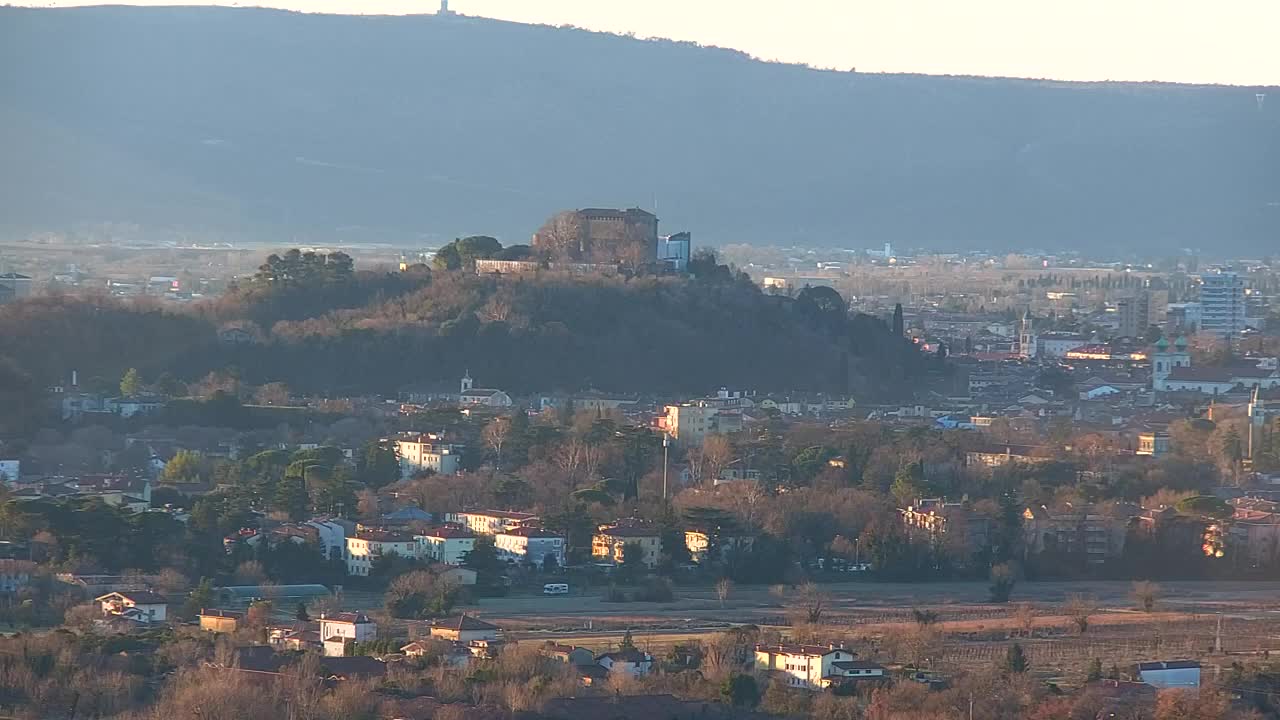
(415, 129)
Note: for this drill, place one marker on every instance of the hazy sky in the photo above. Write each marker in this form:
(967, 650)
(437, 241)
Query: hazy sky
(1218, 41)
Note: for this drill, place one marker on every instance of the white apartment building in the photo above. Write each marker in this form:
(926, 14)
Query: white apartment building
(448, 545)
(814, 667)
(490, 522)
(367, 546)
(419, 452)
(1222, 304)
(690, 424)
(528, 544)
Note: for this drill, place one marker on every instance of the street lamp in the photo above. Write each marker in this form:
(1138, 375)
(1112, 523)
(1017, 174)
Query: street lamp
(666, 443)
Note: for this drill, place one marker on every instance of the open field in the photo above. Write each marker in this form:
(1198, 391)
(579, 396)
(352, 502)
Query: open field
(875, 618)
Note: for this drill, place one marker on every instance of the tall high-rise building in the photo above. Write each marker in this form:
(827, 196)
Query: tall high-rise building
(1140, 311)
(1222, 304)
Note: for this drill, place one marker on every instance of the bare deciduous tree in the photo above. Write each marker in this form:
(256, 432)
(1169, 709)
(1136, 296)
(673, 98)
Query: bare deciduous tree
(717, 453)
(1079, 608)
(1025, 618)
(1145, 594)
(495, 436)
(561, 237)
(723, 588)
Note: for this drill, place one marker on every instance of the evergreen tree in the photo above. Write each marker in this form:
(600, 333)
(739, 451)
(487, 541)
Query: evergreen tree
(627, 643)
(291, 497)
(200, 598)
(741, 690)
(899, 327)
(1095, 670)
(1015, 660)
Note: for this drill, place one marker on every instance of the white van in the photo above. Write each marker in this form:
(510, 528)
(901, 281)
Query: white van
(555, 589)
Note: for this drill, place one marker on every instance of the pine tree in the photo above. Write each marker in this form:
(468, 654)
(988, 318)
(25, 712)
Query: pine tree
(1095, 670)
(898, 325)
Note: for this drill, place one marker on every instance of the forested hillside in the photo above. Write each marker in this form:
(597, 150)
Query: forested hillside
(323, 328)
(262, 123)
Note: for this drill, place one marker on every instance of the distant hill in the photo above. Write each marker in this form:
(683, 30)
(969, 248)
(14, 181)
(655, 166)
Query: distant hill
(268, 124)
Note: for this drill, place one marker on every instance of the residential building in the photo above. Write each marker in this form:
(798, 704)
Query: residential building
(1153, 442)
(367, 546)
(491, 522)
(567, 654)
(1073, 531)
(1170, 674)
(446, 544)
(810, 667)
(481, 397)
(220, 621)
(530, 545)
(10, 471)
(331, 536)
(127, 407)
(608, 543)
(1140, 311)
(689, 424)
(1183, 317)
(138, 605)
(339, 630)
(632, 662)
(419, 452)
(1000, 455)
(701, 543)
(1222, 304)
(953, 525)
(463, 628)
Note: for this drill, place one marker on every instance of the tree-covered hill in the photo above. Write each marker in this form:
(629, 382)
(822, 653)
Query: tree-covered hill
(320, 327)
(250, 122)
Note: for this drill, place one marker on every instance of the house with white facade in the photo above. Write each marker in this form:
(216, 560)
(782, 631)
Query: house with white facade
(366, 546)
(632, 662)
(422, 452)
(447, 544)
(331, 536)
(491, 522)
(140, 606)
(339, 630)
(530, 545)
(813, 667)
